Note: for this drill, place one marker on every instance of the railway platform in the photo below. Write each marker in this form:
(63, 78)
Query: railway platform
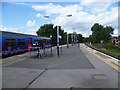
(75, 69)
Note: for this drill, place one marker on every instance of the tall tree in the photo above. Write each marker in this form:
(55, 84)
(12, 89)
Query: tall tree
(101, 33)
(107, 33)
(97, 32)
(47, 30)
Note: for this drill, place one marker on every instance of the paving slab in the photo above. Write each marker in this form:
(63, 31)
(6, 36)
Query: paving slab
(18, 77)
(72, 58)
(76, 67)
(74, 78)
(0, 76)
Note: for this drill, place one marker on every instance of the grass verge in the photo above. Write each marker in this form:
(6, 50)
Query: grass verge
(108, 48)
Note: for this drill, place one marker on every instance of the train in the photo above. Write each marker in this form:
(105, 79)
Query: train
(14, 43)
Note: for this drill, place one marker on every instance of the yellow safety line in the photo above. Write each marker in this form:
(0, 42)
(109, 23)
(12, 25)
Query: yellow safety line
(107, 62)
(17, 57)
(13, 58)
(104, 60)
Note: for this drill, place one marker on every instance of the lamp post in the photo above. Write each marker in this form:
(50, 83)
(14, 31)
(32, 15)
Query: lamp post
(58, 34)
(67, 42)
(72, 38)
(78, 42)
(61, 43)
(67, 34)
(58, 41)
(51, 44)
(75, 37)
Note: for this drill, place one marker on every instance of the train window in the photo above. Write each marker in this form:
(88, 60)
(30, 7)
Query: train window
(7, 42)
(40, 42)
(48, 41)
(10, 42)
(35, 41)
(13, 42)
(21, 41)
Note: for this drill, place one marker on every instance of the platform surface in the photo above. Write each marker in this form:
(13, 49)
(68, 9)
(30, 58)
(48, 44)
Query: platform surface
(75, 68)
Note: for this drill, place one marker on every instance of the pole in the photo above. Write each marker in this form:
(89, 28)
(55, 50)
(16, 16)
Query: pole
(67, 42)
(58, 40)
(44, 50)
(51, 47)
(75, 39)
(61, 49)
(78, 44)
(72, 39)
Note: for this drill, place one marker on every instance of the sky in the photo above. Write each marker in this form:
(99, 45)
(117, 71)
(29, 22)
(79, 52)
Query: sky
(27, 17)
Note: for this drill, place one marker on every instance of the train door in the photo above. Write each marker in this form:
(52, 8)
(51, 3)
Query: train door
(44, 43)
(29, 43)
(40, 42)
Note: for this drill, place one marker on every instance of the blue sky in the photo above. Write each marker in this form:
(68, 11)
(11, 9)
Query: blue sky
(13, 13)
(27, 17)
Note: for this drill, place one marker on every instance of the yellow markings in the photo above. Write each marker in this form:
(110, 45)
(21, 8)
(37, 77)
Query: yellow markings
(104, 60)
(8, 59)
(13, 58)
(19, 56)
(107, 62)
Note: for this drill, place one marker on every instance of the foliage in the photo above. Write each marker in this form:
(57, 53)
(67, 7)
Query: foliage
(47, 30)
(101, 33)
(80, 38)
(108, 48)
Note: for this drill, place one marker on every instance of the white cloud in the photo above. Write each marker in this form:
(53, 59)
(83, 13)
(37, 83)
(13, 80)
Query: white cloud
(21, 3)
(84, 15)
(116, 32)
(31, 23)
(82, 21)
(19, 30)
(38, 15)
(31, 31)
(97, 6)
(57, 9)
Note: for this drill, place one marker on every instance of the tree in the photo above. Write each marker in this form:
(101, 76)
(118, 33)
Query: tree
(70, 37)
(47, 30)
(101, 33)
(80, 38)
(97, 32)
(107, 33)
(63, 34)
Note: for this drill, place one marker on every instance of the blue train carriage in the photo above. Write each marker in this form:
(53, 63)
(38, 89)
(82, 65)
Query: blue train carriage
(14, 43)
(0, 44)
(42, 42)
(47, 42)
